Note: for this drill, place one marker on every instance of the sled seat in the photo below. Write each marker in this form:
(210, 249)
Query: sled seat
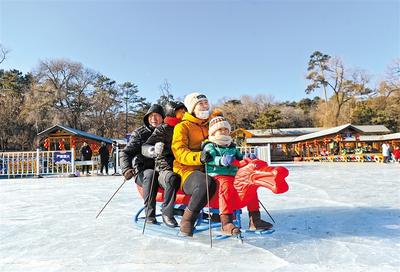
(181, 197)
(181, 203)
(202, 223)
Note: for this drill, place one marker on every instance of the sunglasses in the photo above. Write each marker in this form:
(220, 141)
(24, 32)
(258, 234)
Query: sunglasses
(200, 96)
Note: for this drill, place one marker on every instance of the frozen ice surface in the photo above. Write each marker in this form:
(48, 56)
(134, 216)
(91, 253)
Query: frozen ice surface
(335, 217)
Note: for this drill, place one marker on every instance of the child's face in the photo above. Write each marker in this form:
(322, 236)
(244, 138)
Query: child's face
(222, 131)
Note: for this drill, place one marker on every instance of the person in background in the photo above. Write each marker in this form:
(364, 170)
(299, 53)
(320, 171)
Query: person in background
(385, 152)
(114, 156)
(104, 157)
(86, 153)
(396, 154)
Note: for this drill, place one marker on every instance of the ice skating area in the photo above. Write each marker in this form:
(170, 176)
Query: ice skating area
(335, 217)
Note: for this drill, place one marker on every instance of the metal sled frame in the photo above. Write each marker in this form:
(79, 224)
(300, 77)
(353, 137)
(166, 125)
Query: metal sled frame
(202, 223)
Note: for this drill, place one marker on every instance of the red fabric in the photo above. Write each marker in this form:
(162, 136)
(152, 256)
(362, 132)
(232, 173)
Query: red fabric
(172, 121)
(253, 205)
(396, 154)
(240, 191)
(227, 195)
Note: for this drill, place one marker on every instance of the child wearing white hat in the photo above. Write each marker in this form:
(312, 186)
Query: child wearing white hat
(223, 168)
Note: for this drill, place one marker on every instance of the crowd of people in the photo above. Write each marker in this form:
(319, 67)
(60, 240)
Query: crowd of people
(389, 152)
(172, 150)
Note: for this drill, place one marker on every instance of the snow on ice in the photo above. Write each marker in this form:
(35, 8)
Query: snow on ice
(335, 217)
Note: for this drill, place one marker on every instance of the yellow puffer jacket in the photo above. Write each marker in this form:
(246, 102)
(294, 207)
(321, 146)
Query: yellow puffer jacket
(186, 145)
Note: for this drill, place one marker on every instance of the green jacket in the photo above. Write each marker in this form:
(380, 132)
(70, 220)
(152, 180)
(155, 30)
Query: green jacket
(214, 167)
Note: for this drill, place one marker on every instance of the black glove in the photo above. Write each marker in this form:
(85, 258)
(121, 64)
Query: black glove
(205, 157)
(129, 174)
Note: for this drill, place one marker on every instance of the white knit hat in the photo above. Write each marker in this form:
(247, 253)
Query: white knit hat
(192, 99)
(217, 123)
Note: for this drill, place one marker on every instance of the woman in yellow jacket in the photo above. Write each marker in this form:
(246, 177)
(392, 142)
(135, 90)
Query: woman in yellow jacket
(189, 160)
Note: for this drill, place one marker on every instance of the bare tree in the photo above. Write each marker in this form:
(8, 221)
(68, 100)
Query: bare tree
(330, 75)
(165, 89)
(69, 86)
(3, 53)
(243, 112)
(105, 107)
(390, 85)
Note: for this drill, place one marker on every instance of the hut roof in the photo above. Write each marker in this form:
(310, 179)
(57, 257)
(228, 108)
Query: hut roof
(75, 132)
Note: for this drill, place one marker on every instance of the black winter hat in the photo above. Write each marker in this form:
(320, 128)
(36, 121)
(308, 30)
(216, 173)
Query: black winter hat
(154, 108)
(172, 106)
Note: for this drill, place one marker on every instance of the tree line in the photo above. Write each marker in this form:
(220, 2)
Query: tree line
(344, 96)
(65, 92)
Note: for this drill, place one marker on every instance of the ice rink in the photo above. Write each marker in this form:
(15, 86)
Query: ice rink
(335, 217)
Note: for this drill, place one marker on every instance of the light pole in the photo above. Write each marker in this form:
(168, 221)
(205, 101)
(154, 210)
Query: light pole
(126, 98)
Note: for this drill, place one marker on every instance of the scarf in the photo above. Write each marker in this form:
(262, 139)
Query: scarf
(222, 140)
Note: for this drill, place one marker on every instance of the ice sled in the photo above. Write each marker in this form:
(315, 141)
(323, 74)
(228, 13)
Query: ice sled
(252, 174)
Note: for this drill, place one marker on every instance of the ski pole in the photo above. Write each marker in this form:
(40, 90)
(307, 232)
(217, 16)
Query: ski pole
(266, 211)
(111, 198)
(209, 209)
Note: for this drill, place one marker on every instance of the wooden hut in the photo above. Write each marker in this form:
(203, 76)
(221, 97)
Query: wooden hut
(60, 137)
(342, 143)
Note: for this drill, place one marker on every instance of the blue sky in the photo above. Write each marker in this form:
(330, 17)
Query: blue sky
(221, 48)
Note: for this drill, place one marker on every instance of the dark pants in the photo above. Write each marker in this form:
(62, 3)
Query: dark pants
(170, 182)
(104, 165)
(144, 180)
(85, 167)
(195, 185)
(115, 164)
(386, 159)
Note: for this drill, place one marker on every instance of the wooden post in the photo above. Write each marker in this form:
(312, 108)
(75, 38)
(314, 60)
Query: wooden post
(117, 158)
(73, 160)
(37, 162)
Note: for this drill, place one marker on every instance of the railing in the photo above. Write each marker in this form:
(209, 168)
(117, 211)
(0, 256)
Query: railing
(40, 163)
(36, 163)
(262, 152)
(18, 163)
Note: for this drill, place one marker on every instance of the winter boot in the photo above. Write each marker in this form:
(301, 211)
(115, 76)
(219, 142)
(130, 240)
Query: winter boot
(187, 222)
(227, 227)
(256, 223)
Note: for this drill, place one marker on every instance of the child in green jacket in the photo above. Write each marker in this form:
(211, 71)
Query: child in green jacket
(223, 169)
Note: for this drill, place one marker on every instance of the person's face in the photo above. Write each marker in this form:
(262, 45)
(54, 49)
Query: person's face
(202, 106)
(222, 132)
(155, 119)
(180, 112)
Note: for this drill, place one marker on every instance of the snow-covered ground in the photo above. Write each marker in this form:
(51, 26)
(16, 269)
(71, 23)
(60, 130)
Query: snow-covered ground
(335, 217)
